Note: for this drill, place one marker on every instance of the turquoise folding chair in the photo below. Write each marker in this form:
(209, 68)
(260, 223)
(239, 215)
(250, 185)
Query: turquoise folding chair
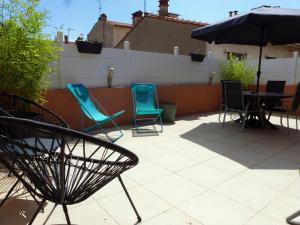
(146, 110)
(93, 110)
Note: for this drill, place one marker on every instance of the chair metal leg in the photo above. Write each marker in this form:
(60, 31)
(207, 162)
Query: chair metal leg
(131, 202)
(293, 216)
(37, 211)
(297, 123)
(281, 119)
(224, 118)
(66, 214)
(244, 120)
(288, 124)
(9, 192)
(221, 110)
(270, 113)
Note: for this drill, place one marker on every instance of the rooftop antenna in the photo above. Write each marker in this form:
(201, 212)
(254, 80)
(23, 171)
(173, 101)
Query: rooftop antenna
(68, 30)
(99, 6)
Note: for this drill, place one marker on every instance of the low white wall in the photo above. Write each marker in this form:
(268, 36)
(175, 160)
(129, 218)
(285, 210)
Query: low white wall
(129, 67)
(137, 66)
(279, 69)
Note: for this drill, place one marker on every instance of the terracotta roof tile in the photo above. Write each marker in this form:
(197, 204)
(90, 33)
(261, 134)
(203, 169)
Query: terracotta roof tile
(119, 24)
(175, 19)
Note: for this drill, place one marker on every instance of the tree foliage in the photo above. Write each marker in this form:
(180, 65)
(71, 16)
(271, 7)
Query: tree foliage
(235, 69)
(25, 51)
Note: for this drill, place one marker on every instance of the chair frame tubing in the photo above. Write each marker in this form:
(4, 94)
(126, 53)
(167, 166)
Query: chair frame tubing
(153, 120)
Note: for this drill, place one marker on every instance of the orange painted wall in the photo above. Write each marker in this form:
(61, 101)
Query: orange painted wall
(190, 99)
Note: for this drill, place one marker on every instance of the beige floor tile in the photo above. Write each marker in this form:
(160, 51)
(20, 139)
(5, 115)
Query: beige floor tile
(282, 207)
(268, 178)
(174, 162)
(198, 153)
(172, 217)
(261, 219)
(151, 152)
(213, 209)
(248, 193)
(227, 165)
(281, 166)
(294, 189)
(147, 204)
(205, 175)
(146, 172)
(177, 144)
(114, 187)
(175, 189)
(262, 148)
(249, 157)
(90, 213)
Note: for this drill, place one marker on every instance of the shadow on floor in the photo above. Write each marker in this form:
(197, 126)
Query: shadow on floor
(255, 148)
(19, 209)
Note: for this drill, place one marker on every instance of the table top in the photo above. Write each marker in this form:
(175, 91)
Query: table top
(267, 94)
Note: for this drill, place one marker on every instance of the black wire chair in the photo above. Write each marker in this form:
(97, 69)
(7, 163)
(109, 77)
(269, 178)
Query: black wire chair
(65, 175)
(234, 101)
(15, 106)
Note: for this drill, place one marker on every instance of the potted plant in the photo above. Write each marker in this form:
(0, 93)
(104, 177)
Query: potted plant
(235, 69)
(197, 57)
(25, 51)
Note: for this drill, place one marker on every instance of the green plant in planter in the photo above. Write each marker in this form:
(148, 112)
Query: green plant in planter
(25, 51)
(235, 69)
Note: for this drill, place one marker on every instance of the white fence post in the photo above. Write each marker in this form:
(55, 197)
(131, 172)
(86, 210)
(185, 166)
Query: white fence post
(295, 56)
(127, 55)
(176, 54)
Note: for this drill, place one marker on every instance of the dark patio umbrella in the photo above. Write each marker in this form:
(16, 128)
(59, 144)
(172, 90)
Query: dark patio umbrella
(258, 27)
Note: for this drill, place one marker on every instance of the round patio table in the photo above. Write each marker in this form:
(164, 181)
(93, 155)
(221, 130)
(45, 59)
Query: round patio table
(259, 97)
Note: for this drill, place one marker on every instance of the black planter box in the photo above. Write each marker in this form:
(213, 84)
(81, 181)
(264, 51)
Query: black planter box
(89, 47)
(197, 57)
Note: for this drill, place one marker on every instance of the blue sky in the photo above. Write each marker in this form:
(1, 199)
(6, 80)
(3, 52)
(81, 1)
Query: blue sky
(81, 15)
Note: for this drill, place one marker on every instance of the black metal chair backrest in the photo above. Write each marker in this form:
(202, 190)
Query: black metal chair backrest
(223, 90)
(296, 99)
(17, 106)
(69, 169)
(234, 95)
(276, 86)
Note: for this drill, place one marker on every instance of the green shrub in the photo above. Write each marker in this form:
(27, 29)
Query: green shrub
(235, 69)
(25, 51)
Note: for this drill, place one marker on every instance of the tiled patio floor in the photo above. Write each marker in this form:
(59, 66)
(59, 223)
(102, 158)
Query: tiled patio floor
(193, 173)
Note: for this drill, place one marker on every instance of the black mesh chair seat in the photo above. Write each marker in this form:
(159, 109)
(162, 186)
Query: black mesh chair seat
(69, 169)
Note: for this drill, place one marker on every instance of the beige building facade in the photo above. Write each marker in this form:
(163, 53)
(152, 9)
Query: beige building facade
(159, 34)
(251, 52)
(108, 32)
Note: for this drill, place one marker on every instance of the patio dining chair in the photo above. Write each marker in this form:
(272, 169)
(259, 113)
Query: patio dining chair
(234, 101)
(15, 106)
(284, 109)
(146, 109)
(65, 175)
(91, 108)
(275, 86)
(222, 105)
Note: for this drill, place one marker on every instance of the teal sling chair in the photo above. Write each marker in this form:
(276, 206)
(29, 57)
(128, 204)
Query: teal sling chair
(91, 108)
(145, 106)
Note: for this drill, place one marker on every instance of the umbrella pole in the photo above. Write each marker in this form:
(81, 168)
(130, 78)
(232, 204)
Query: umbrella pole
(260, 56)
